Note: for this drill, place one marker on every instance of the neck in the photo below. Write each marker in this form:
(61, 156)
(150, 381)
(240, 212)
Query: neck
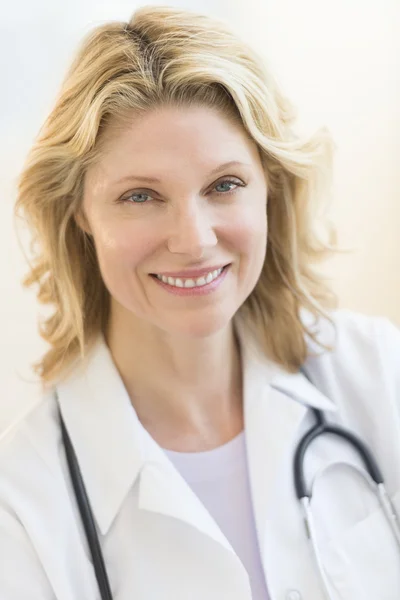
(187, 392)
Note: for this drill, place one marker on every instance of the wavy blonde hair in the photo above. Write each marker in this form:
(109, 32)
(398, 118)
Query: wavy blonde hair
(165, 55)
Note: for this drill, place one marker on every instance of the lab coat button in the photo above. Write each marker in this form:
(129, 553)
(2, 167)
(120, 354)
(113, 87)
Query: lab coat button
(293, 595)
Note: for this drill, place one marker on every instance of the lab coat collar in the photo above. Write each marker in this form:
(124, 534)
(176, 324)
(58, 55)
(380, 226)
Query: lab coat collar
(259, 372)
(104, 430)
(275, 405)
(113, 448)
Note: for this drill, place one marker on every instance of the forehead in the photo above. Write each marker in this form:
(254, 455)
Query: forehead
(172, 137)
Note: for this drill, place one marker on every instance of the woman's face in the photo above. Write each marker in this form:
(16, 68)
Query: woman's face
(166, 216)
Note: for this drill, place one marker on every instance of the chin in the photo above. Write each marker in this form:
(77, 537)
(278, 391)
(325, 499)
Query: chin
(198, 328)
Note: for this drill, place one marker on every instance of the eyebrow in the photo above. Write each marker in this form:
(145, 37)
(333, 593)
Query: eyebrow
(231, 163)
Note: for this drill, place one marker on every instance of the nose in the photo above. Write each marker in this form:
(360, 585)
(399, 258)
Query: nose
(192, 231)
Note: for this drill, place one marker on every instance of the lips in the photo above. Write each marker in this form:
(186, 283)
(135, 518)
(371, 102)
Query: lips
(190, 282)
(201, 286)
(191, 273)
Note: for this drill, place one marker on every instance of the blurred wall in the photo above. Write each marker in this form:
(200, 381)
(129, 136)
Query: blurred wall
(338, 62)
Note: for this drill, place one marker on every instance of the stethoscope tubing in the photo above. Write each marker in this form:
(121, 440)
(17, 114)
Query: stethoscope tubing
(304, 496)
(319, 429)
(86, 515)
(302, 493)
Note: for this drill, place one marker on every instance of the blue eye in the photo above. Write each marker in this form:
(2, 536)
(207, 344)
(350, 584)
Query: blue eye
(135, 201)
(231, 182)
(224, 182)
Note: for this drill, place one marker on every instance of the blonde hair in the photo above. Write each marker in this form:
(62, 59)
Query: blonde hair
(165, 55)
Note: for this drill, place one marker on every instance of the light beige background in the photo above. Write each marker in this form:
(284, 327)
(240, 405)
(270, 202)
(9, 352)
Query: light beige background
(338, 61)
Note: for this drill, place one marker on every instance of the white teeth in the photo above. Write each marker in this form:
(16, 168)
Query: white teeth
(190, 283)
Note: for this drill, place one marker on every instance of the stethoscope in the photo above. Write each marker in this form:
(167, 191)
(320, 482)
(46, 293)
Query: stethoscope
(303, 494)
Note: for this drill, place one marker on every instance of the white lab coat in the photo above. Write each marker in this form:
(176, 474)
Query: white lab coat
(158, 540)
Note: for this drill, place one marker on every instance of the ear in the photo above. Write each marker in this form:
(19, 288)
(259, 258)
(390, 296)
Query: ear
(82, 222)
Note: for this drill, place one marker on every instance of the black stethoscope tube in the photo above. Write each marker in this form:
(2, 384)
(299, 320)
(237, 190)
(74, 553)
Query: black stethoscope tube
(321, 427)
(86, 516)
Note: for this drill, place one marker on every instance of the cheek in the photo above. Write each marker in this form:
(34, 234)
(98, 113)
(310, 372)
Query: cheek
(248, 230)
(122, 248)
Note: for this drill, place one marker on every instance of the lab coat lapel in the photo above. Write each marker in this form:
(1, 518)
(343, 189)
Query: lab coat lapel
(92, 401)
(164, 491)
(276, 403)
(271, 422)
(274, 423)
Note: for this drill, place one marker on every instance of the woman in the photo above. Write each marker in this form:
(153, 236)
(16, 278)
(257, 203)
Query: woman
(172, 206)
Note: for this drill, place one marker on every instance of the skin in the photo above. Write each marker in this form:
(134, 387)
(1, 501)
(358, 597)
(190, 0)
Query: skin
(178, 356)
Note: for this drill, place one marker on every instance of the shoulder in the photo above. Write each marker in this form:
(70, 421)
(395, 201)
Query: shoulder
(362, 338)
(29, 449)
(361, 326)
(364, 363)
(372, 342)
(35, 508)
(375, 338)
(354, 328)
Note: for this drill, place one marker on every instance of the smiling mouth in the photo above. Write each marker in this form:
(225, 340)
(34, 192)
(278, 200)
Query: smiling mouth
(191, 282)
